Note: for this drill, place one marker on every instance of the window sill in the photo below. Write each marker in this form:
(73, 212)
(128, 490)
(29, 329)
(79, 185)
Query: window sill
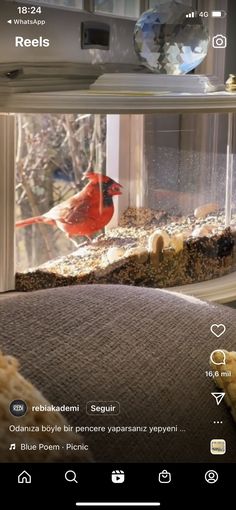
(220, 290)
(115, 102)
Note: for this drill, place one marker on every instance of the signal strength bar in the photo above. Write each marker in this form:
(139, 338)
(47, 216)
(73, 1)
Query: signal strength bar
(190, 15)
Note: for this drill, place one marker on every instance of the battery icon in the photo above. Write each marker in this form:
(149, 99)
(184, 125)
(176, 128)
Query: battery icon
(218, 14)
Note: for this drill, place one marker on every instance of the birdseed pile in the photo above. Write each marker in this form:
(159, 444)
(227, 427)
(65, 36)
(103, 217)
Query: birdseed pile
(149, 248)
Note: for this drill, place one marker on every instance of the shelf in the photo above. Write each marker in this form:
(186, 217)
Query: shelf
(116, 102)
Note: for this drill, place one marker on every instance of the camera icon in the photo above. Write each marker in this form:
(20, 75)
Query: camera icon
(219, 41)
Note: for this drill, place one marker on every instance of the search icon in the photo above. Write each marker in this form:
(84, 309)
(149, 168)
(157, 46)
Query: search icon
(70, 476)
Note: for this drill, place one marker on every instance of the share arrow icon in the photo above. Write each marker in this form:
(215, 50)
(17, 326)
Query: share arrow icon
(218, 397)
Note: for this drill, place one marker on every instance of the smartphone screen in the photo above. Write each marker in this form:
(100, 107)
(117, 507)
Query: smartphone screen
(117, 252)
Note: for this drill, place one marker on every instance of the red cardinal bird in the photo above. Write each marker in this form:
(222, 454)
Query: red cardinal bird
(86, 212)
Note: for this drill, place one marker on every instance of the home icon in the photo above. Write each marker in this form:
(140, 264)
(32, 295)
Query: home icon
(24, 477)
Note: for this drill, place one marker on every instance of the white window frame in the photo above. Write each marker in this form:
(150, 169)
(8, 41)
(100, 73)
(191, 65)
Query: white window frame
(7, 202)
(125, 160)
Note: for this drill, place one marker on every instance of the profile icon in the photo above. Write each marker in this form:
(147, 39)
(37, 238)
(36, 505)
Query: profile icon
(211, 476)
(18, 408)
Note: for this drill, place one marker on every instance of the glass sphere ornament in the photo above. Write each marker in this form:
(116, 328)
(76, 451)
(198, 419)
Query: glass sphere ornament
(169, 42)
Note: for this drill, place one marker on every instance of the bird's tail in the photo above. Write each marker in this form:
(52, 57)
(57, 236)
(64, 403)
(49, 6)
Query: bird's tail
(31, 221)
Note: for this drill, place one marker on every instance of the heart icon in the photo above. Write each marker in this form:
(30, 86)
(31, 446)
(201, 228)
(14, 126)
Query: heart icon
(218, 329)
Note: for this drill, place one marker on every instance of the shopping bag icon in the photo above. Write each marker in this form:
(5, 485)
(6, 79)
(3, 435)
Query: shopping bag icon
(164, 476)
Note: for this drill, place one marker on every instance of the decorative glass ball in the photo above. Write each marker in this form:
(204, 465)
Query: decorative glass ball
(167, 41)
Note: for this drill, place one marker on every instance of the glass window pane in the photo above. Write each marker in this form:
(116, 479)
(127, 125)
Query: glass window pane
(158, 212)
(153, 3)
(126, 8)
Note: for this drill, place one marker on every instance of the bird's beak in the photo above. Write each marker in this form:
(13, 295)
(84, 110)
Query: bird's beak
(115, 189)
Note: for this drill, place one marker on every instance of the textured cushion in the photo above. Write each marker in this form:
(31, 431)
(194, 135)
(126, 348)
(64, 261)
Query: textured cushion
(146, 348)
